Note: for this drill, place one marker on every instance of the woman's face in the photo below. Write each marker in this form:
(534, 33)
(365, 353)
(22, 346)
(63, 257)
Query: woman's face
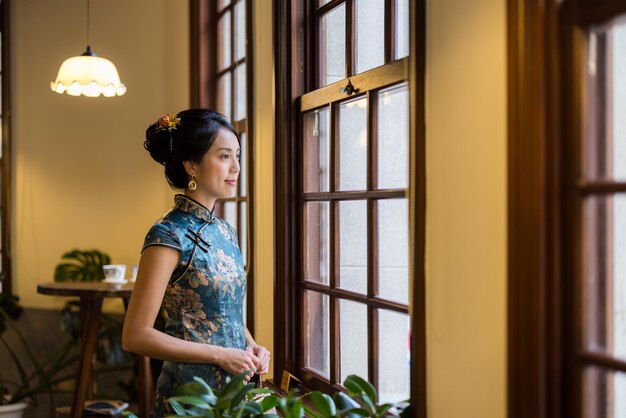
(217, 173)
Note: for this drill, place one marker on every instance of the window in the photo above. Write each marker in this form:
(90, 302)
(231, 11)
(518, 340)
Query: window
(601, 219)
(231, 100)
(567, 211)
(344, 165)
(221, 80)
(5, 152)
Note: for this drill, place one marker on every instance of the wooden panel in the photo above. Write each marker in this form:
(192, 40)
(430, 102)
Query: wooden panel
(589, 12)
(5, 195)
(373, 79)
(595, 187)
(202, 39)
(374, 194)
(533, 206)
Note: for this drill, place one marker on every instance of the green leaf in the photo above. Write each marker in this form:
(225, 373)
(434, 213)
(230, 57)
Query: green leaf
(345, 402)
(358, 412)
(269, 403)
(368, 402)
(252, 408)
(191, 400)
(229, 391)
(324, 404)
(282, 403)
(240, 396)
(383, 408)
(178, 408)
(296, 410)
(357, 385)
(84, 265)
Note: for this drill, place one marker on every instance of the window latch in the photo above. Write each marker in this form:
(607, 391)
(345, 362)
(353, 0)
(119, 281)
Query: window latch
(348, 89)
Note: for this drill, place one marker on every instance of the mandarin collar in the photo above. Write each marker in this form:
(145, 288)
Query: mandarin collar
(187, 204)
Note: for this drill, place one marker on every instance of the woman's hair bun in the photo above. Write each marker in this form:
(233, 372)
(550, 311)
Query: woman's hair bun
(186, 136)
(157, 143)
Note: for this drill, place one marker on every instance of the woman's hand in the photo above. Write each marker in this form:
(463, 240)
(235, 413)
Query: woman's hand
(263, 355)
(236, 361)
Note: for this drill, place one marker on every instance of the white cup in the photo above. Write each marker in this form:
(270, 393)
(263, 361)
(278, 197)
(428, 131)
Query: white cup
(114, 272)
(133, 272)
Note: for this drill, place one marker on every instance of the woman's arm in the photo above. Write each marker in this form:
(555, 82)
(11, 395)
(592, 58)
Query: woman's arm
(139, 335)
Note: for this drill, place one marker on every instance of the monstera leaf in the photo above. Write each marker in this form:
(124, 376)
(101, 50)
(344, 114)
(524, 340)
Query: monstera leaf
(81, 266)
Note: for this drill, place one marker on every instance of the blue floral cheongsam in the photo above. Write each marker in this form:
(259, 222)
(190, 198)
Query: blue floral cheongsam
(204, 298)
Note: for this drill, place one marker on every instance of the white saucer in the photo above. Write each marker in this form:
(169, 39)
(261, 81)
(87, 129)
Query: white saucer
(114, 282)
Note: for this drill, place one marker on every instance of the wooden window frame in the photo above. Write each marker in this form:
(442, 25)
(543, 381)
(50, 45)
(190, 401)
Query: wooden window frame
(292, 49)
(544, 203)
(203, 17)
(370, 83)
(5, 168)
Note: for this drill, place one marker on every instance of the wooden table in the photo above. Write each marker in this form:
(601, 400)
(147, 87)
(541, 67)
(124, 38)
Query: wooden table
(91, 295)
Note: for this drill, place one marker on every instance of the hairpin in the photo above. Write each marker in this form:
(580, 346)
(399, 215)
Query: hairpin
(168, 122)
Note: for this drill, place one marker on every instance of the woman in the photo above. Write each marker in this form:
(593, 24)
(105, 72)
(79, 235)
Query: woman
(191, 264)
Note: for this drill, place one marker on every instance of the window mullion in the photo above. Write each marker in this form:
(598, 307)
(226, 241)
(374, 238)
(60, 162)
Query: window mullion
(350, 38)
(390, 30)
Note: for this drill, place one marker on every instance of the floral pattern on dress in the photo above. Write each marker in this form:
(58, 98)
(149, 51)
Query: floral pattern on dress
(204, 298)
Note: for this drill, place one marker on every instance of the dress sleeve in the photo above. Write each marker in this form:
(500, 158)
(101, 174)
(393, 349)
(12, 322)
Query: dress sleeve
(164, 235)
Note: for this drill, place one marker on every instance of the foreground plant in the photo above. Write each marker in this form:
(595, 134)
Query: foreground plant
(58, 367)
(243, 400)
(235, 399)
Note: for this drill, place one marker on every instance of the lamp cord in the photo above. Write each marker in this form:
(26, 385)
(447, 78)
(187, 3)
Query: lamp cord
(88, 23)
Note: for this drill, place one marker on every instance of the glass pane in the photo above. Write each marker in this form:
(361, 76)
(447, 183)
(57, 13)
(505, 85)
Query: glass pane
(320, 3)
(316, 151)
(222, 3)
(316, 243)
(243, 235)
(240, 30)
(604, 273)
(317, 332)
(402, 28)
(332, 44)
(353, 339)
(240, 92)
(603, 393)
(243, 164)
(394, 356)
(370, 34)
(393, 250)
(223, 42)
(230, 213)
(393, 138)
(606, 83)
(353, 245)
(353, 145)
(223, 95)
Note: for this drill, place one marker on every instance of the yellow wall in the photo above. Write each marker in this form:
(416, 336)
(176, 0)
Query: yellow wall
(81, 176)
(263, 260)
(466, 208)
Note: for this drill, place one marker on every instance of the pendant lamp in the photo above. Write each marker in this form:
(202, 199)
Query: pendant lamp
(88, 74)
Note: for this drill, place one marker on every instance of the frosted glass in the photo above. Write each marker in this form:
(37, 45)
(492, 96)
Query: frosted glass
(353, 245)
(353, 329)
(370, 34)
(332, 46)
(317, 332)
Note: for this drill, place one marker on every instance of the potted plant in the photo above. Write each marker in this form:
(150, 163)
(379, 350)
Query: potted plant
(34, 376)
(239, 399)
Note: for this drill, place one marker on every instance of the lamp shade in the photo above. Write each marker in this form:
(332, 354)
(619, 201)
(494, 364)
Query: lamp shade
(88, 75)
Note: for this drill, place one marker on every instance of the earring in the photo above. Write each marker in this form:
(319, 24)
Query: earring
(192, 185)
